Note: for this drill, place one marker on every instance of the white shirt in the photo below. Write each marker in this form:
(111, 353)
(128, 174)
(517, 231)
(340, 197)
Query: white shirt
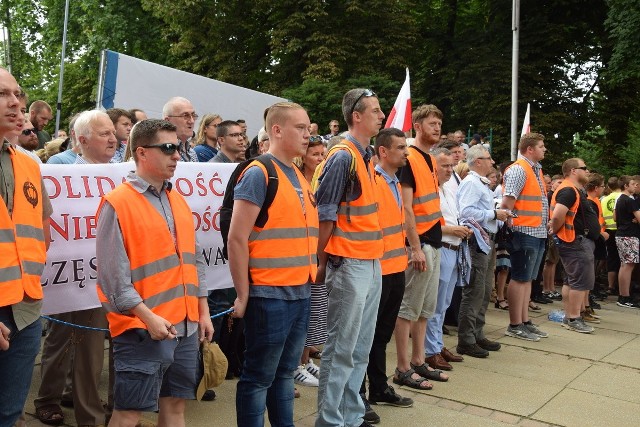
(449, 209)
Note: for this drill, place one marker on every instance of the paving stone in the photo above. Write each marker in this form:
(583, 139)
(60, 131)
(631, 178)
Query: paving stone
(505, 418)
(477, 410)
(450, 404)
(532, 423)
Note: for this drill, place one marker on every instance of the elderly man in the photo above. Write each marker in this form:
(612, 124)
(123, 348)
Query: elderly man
(438, 356)
(476, 206)
(154, 289)
(24, 225)
(40, 115)
(180, 112)
(97, 137)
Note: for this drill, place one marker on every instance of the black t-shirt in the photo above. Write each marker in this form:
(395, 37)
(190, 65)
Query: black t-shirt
(586, 221)
(433, 236)
(625, 207)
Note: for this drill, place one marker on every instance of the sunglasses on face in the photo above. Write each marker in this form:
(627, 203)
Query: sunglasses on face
(26, 132)
(167, 148)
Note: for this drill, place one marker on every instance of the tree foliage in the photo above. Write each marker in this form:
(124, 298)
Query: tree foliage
(578, 59)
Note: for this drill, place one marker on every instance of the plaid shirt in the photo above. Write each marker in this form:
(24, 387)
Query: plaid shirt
(514, 180)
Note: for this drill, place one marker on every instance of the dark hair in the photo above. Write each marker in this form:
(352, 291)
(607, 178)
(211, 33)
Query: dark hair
(240, 121)
(145, 132)
(595, 181)
(133, 112)
(385, 138)
(115, 114)
(223, 127)
(450, 145)
(613, 183)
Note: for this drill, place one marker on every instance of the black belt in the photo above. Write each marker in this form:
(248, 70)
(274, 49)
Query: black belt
(449, 246)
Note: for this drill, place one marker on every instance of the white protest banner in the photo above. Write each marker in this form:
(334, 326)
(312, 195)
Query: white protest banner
(69, 278)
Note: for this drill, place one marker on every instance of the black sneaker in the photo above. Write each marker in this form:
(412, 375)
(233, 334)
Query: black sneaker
(370, 416)
(390, 397)
(209, 395)
(366, 424)
(627, 302)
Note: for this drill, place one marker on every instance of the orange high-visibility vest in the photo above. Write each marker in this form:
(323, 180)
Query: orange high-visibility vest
(284, 251)
(567, 232)
(21, 234)
(395, 257)
(600, 215)
(357, 233)
(426, 201)
(163, 272)
(528, 205)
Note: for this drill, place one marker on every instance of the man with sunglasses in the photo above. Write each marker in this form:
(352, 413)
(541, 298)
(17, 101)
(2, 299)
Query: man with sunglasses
(24, 225)
(151, 281)
(28, 138)
(349, 248)
(180, 112)
(576, 227)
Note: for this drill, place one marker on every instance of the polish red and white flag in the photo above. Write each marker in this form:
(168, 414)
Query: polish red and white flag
(400, 115)
(526, 125)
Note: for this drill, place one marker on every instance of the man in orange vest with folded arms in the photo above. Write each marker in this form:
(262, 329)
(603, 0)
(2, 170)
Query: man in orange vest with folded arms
(151, 282)
(272, 269)
(24, 236)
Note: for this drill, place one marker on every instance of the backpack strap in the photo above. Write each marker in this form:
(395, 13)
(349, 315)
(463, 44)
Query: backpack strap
(272, 188)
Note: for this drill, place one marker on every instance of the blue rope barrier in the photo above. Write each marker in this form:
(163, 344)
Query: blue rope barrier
(89, 328)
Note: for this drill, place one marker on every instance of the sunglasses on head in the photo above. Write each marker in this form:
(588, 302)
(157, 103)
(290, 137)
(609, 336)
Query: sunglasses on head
(167, 148)
(367, 93)
(26, 132)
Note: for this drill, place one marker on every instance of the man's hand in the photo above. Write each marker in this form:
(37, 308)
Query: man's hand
(461, 231)
(605, 235)
(4, 337)
(239, 307)
(503, 214)
(160, 328)
(205, 328)
(418, 260)
(320, 275)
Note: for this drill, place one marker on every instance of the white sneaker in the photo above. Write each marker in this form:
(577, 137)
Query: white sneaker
(302, 377)
(313, 369)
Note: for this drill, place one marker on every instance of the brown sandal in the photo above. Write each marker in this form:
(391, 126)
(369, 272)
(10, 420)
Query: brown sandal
(50, 414)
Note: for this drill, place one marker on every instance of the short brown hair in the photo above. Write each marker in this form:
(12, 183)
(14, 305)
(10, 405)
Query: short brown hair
(145, 132)
(115, 114)
(385, 137)
(529, 140)
(595, 181)
(425, 111)
(569, 165)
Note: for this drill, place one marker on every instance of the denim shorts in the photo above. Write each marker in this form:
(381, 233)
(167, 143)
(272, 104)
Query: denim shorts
(526, 254)
(146, 369)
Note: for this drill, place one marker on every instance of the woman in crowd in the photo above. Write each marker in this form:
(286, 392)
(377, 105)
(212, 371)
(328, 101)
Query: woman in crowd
(206, 140)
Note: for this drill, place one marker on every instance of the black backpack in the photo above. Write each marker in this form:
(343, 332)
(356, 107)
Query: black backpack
(226, 210)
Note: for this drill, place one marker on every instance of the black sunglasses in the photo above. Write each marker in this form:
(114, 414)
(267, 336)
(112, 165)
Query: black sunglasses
(367, 93)
(28, 131)
(167, 148)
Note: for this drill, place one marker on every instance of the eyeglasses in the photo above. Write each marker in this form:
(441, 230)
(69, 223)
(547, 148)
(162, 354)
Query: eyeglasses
(167, 148)
(484, 158)
(26, 132)
(187, 116)
(367, 93)
(584, 168)
(236, 135)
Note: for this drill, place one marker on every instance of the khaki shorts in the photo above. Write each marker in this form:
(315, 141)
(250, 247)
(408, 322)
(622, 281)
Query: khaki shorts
(421, 290)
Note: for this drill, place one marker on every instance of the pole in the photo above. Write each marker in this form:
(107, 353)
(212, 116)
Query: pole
(515, 27)
(103, 62)
(62, 56)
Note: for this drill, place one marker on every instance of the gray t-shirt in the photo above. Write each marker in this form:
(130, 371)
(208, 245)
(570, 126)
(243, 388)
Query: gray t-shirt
(253, 188)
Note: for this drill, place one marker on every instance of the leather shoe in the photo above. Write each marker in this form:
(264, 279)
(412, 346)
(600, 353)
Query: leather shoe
(489, 345)
(540, 299)
(472, 350)
(437, 362)
(450, 357)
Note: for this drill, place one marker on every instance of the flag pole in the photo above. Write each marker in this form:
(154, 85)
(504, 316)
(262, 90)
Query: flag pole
(64, 45)
(515, 27)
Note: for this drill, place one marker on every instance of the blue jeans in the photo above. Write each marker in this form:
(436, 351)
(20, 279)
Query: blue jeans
(354, 287)
(448, 279)
(274, 332)
(526, 254)
(16, 366)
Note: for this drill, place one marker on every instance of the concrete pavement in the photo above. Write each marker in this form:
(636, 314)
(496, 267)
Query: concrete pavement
(568, 379)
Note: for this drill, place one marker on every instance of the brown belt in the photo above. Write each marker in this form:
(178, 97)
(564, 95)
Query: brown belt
(449, 246)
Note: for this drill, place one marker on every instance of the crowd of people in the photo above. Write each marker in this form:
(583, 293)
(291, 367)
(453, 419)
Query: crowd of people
(361, 242)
